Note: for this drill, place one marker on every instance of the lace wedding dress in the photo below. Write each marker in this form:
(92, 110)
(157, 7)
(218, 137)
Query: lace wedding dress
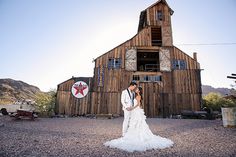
(139, 137)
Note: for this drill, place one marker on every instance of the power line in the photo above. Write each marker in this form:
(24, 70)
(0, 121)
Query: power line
(207, 44)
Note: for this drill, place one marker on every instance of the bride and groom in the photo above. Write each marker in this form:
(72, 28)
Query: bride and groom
(136, 135)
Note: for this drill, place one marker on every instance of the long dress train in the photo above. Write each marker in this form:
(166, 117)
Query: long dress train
(138, 136)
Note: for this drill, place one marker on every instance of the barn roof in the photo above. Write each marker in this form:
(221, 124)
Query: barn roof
(162, 1)
(115, 47)
(76, 79)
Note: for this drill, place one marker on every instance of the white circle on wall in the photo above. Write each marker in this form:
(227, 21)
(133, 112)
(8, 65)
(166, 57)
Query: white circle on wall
(79, 89)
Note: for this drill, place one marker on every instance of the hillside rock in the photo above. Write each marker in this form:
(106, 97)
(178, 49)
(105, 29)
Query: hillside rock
(12, 91)
(208, 89)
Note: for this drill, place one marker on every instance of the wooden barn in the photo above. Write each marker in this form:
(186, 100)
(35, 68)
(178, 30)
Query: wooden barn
(169, 77)
(67, 104)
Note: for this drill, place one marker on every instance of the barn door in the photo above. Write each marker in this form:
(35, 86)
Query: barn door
(165, 64)
(131, 60)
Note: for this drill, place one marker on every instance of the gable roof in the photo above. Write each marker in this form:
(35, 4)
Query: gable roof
(142, 20)
(162, 1)
(75, 79)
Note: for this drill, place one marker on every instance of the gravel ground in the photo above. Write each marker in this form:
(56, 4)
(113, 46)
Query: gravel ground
(65, 137)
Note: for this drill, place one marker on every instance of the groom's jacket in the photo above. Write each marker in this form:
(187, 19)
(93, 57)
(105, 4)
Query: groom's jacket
(127, 98)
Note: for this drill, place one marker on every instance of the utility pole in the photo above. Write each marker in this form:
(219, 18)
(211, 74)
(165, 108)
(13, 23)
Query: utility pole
(233, 76)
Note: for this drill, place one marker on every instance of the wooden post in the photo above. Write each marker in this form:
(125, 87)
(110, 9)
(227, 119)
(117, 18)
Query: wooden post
(195, 56)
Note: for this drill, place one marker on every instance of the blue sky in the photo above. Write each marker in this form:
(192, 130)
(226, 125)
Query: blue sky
(45, 42)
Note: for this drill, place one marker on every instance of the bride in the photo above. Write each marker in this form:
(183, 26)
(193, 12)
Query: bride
(138, 136)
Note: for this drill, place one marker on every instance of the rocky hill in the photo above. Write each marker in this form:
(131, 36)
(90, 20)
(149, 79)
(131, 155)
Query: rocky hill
(207, 89)
(12, 91)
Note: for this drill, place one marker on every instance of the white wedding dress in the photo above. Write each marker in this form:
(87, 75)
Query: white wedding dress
(138, 136)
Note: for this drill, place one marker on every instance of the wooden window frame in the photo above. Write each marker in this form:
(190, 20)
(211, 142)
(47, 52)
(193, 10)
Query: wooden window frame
(179, 64)
(159, 15)
(114, 63)
(147, 78)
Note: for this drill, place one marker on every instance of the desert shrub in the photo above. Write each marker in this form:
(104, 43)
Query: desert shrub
(215, 101)
(45, 103)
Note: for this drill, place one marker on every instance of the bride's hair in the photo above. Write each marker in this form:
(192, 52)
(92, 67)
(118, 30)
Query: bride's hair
(140, 91)
(141, 94)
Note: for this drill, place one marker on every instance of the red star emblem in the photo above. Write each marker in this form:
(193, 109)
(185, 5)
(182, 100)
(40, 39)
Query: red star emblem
(80, 89)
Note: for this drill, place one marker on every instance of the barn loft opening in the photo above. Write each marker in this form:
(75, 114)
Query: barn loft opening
(148, 61)
(156, 36)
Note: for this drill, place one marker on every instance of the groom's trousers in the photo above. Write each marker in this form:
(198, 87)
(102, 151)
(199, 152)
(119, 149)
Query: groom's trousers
(127, 115)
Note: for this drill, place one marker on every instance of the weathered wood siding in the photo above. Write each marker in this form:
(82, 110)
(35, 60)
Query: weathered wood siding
(178, 90)
(67, 104)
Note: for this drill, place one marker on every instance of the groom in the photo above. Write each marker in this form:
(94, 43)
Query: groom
(127, 101)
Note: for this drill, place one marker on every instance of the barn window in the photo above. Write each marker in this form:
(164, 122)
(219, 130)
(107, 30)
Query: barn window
(136, 77)
(157, 78)
(148, 61)
(114, 63)
(147, 78)
(178, 64)
(152, 78)
(156, 36)
(159, 15)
